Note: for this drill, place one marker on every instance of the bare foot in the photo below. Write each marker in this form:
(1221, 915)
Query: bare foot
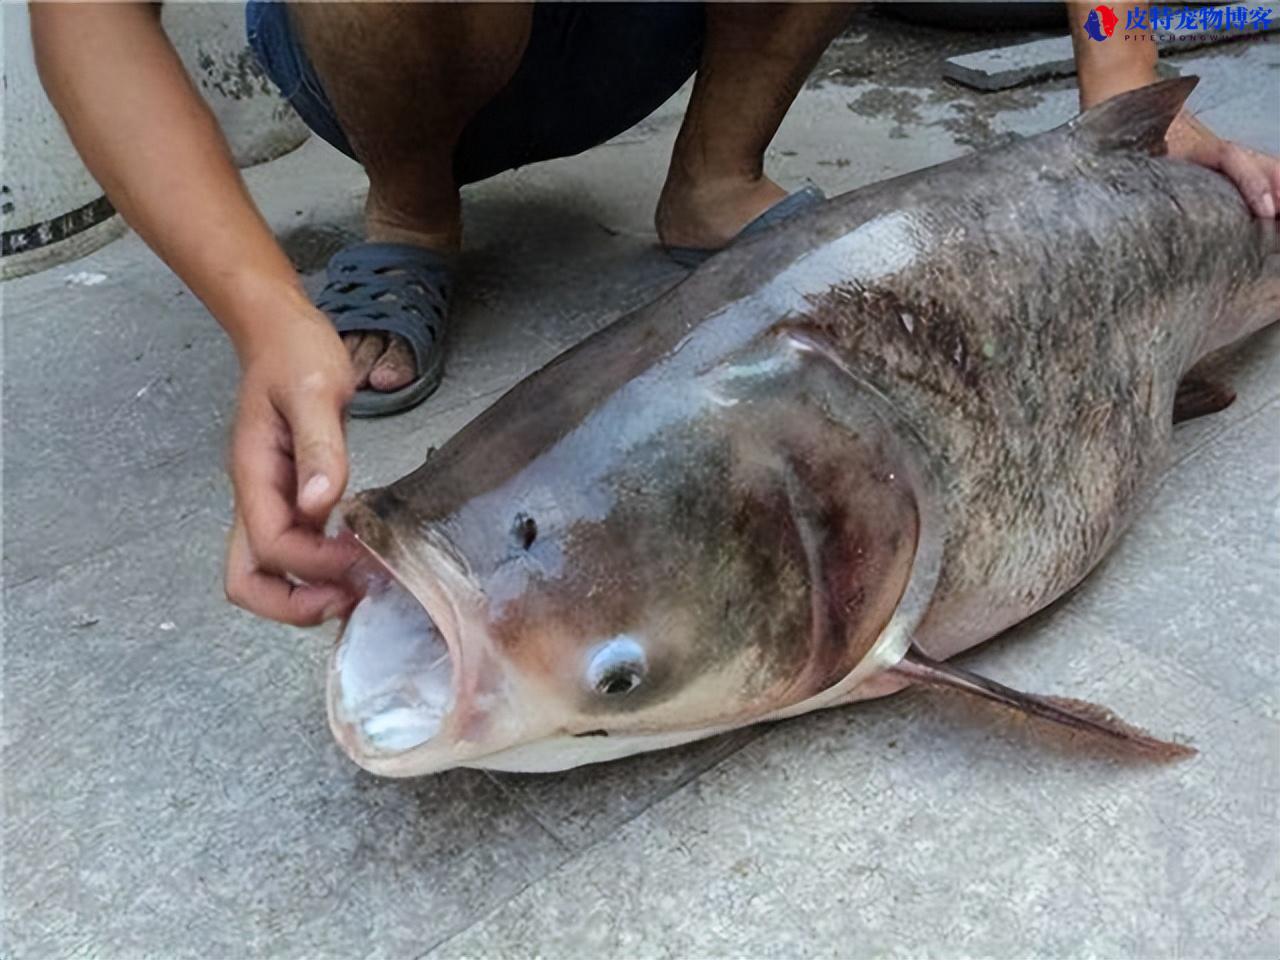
(385, 362)
(708, 213)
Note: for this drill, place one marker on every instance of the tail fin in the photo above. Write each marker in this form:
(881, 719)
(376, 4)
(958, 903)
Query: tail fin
(1136, 120)
(1077, 714)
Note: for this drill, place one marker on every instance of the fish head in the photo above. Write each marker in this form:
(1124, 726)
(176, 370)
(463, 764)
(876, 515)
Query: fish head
(685, 563)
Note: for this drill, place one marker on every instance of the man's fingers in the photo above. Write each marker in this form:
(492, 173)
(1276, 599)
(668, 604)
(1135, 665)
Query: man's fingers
(272, 596)
(289, 468)
(275, 446)
(263, 476)
(279, 544)
(277, 599)
(308, 555)
(264, 481)
(314, 416)
(1248, 171)
(1256, 175)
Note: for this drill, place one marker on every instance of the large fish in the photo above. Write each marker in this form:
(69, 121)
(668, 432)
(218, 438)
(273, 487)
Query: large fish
(833, 457)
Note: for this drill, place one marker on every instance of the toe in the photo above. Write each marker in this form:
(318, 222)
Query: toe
(352, 342)
(395, 368)
(365, 356)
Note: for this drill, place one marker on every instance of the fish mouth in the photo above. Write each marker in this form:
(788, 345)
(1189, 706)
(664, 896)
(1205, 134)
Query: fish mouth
(397, 673)
(415, 685)
(391, 684)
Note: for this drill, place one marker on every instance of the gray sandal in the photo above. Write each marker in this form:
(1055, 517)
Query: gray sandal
(802, 199)
(393, 289)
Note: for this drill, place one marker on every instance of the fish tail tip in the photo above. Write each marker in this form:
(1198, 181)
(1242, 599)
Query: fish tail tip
(1166, 751)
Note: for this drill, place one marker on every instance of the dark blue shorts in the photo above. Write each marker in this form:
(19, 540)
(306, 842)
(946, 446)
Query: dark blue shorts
(591, 71)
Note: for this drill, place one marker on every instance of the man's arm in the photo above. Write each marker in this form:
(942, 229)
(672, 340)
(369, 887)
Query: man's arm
(154, 146)
(1105, 68)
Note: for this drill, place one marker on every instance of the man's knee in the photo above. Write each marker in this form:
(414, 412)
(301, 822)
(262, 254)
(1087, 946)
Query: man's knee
(457, 52)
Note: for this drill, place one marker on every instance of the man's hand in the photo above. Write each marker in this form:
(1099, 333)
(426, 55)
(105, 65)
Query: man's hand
(1124, 62)
(289, 467)
(1255, 174)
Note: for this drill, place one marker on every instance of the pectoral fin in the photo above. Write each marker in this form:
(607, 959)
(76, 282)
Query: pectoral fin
(1077, 714)
(1199, 396)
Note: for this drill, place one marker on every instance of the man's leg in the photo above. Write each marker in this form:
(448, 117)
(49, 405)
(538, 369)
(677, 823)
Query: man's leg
(755, 60)
(404, 80)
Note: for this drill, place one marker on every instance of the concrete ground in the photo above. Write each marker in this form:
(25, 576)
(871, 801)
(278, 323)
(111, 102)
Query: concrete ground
(171, 789)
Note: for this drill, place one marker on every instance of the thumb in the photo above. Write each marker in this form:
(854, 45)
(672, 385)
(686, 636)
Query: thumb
(319, 454)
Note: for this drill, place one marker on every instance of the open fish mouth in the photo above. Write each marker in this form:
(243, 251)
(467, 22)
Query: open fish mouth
(392, 678)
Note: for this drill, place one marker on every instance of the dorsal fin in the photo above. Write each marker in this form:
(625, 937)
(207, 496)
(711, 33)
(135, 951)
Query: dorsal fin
(1077, 714)
(1137, 120)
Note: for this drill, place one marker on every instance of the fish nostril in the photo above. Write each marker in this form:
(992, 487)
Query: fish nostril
(525, 530)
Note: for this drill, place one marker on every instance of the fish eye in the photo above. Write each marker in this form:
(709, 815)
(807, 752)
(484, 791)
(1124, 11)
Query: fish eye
(617, 667)
(524, 530)
(618, 682)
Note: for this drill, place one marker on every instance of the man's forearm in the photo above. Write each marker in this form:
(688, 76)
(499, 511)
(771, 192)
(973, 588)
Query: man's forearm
(154, 146)
(1114, 65)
